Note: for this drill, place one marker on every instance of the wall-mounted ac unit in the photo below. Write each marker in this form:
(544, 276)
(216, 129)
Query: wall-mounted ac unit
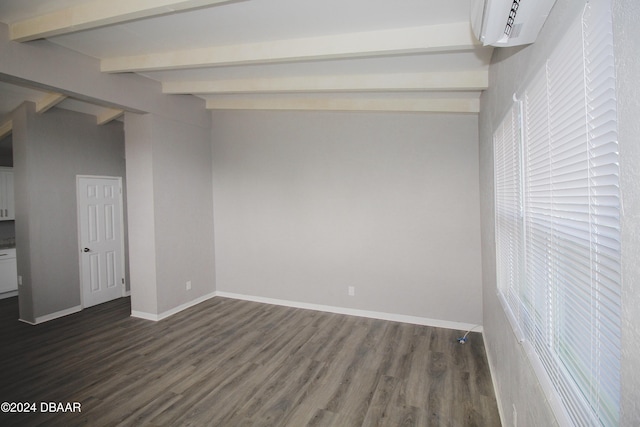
(508, 22)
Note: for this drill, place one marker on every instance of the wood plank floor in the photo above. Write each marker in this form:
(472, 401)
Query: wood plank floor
(237, 363)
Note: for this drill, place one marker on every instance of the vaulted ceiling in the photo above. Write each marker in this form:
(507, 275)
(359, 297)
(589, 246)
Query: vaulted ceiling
(363, 55)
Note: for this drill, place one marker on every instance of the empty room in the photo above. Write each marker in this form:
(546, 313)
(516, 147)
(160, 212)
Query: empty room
(336, 213)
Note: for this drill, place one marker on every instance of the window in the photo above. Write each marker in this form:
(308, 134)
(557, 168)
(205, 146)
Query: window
(557, 222)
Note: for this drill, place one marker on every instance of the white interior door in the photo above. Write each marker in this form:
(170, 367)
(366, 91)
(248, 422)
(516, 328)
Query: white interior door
(100, 227)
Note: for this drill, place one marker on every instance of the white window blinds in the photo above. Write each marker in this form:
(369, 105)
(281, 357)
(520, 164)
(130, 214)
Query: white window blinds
(557, 221)
(509, 220)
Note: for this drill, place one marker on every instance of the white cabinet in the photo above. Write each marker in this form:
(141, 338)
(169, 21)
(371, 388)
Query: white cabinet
(8, 270)
(7, 211)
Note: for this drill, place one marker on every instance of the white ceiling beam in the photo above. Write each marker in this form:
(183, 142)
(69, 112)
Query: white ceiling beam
(108, 115)
(98, 13)
(449, 81)
(433, 38)
(49, 101)
(466, 105)
(6, 128)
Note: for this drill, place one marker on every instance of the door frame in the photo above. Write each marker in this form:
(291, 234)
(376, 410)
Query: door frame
(122, 225)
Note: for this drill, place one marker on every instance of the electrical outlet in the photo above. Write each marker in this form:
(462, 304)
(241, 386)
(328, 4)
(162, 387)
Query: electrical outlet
(351, 291)
(188, 285)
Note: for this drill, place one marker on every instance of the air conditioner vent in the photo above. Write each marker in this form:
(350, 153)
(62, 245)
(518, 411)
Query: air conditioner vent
(512, 18)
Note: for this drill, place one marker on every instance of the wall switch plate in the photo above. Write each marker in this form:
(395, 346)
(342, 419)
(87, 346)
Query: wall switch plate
(188, 285)
(351, 290)
(19, 280)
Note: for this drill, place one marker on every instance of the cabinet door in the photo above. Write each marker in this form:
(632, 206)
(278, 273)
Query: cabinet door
(8, 203)
(8, 275)
(7, 211)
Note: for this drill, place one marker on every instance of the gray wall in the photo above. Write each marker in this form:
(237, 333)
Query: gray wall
(517, 387)
(627, 38)
(141, 213)
(184, 203)
(170, 212)
(49, 151)
(309, 203)
(43, 65)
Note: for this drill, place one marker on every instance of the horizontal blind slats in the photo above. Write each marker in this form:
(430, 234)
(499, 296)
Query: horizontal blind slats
(560, 240)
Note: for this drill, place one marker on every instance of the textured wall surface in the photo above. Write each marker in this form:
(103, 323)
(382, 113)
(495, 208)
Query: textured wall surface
(307, 204)
(627, 51)
(49, 151)
(170, 212)
(141, 213)
(183, 198)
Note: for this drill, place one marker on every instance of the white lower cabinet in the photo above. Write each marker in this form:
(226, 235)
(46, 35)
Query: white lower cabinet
(8, 271)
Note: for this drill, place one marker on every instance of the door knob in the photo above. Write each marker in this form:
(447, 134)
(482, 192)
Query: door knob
(86, 250)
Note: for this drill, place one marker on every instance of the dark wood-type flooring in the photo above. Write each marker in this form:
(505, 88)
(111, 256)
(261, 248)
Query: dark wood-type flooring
(237, 363)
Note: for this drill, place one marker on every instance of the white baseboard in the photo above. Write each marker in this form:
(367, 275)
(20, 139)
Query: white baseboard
(317, 307)
(164, 315)
(52, 316)
(355, 312)
(144, 315)
(495, 384)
